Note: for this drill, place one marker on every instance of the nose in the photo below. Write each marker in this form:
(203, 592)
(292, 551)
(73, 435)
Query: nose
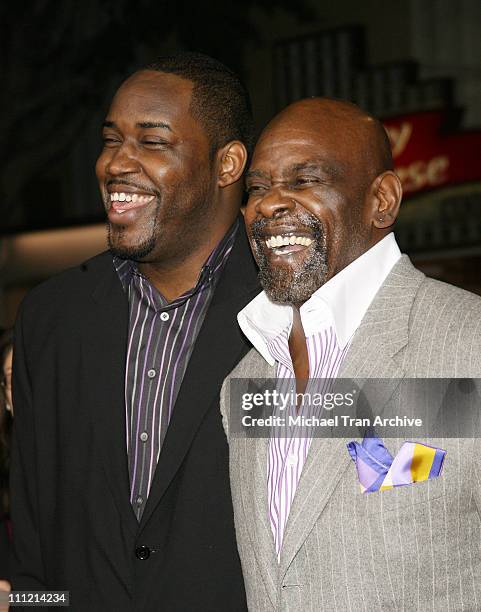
(274, 203)
(123, 161)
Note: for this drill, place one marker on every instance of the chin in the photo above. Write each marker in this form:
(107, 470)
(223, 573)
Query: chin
(134, 248)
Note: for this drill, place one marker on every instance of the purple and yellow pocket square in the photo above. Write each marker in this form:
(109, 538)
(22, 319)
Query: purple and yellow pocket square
(378, 470)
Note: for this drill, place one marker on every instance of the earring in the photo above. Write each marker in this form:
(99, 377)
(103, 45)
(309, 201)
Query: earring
(8, 407)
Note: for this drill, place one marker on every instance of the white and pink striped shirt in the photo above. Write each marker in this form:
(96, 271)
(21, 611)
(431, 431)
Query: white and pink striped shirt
(329, 318)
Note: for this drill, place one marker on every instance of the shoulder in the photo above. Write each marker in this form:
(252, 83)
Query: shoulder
(66, 291)
(426, 297)
(253, 365)
(445, 330)
(81, 276)
(444, 302)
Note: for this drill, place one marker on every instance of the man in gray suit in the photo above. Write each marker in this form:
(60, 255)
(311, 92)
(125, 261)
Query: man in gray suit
(340, 301)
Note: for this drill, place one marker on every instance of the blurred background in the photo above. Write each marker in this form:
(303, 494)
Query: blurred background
(415, 64)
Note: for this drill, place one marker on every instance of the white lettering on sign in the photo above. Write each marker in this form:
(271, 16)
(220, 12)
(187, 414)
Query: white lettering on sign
(422, 174)
(399, 137)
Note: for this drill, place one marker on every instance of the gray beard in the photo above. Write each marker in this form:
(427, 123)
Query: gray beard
(287, 285)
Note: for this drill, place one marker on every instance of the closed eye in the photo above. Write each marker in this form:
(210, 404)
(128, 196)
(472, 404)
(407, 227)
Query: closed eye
(110, 141)
(155, 144)
(255, 189)
(307, 180)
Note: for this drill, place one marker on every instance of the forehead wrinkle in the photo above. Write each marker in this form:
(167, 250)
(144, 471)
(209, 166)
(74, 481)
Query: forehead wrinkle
(332, 169)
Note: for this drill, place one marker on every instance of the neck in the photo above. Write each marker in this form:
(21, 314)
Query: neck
(298, 351)
(174, 278)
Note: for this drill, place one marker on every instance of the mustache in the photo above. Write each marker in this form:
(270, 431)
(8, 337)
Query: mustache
(260, 228)
(120, 181)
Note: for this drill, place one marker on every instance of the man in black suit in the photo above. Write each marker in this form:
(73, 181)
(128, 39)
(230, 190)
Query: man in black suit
(120, 490)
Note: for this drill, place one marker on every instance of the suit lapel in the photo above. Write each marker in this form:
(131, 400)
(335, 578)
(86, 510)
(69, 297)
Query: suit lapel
(383, 333)
(326, 462)
(219, 346)
(104, 350)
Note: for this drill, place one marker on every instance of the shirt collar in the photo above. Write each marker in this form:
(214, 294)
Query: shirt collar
(341, 302)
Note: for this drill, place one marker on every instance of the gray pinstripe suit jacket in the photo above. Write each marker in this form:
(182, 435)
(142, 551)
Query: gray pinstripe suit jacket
(415, 547)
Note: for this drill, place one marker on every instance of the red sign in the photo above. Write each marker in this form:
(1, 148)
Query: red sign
(426, 157)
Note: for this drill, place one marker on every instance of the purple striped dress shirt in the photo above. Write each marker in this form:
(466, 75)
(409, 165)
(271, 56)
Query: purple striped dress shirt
(287, 454)
(160, 342)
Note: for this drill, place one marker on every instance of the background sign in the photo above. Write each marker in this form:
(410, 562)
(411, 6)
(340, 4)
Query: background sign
(427, 156)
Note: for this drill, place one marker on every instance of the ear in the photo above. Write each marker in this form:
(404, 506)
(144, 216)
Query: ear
(387, 192)
(232, 162)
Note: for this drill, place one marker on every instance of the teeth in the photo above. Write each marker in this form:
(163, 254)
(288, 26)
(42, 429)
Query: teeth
(118, 196)
(277, 241)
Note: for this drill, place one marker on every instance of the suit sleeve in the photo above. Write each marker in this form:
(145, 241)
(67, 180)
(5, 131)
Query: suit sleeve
(27, 571)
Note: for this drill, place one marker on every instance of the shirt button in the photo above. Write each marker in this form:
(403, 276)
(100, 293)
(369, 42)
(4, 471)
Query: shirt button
(142, 552)
(291, 460)
(139, 500)
(164, 316)
(151, 373)
(144, 436)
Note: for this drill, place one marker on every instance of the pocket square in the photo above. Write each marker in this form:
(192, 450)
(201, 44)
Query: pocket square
(377, 470)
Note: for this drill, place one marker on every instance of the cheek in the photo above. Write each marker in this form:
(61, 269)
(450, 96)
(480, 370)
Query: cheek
(249, 213)
(100, 166)
(170, 175)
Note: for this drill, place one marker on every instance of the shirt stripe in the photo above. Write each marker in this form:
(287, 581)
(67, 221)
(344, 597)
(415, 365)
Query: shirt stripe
(160, 342)
(288, 452)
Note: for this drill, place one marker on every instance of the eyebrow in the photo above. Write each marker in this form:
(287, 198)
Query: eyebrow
(256, 174)
(143, 124)
(153, 124)
(333, 170)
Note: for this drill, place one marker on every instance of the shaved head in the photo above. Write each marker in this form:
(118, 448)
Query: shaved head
(343, 122)
(322, 169)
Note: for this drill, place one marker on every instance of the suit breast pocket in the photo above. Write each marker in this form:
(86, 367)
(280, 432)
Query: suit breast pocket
(407, 496)
(392, 500)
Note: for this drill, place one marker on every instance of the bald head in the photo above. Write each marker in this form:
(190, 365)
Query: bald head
(362, 137)
(321, 173)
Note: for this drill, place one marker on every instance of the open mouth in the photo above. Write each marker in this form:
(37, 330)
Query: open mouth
(121, 201)
(285, 244)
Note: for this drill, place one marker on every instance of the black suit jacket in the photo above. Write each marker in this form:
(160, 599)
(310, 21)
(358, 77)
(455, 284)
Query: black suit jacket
(73, 525)
(4, 550)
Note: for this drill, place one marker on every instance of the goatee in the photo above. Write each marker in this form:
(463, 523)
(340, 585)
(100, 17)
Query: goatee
(286, 284)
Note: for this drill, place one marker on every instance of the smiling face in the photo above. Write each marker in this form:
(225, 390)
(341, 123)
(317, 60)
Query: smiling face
(310, 208)
(155, 174)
